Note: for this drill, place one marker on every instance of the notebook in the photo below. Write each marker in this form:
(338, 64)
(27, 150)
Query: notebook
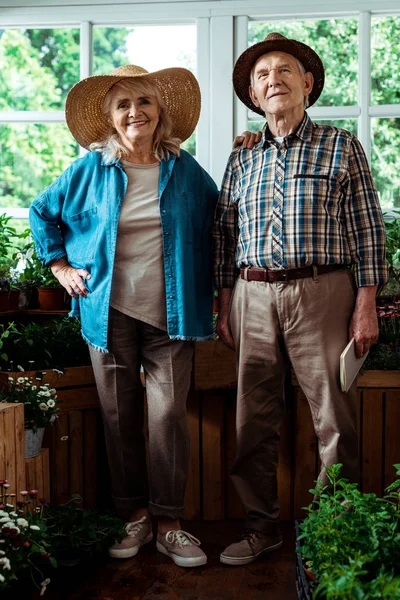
(350, 365)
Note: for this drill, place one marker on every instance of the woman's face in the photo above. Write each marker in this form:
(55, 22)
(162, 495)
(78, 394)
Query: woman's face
(134, 115)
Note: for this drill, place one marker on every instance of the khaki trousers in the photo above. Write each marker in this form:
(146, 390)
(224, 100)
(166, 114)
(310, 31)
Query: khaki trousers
(167, 365)
(303, 322)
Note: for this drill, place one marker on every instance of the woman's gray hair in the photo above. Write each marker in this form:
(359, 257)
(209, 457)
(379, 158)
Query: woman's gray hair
(164, 144)
(301, 69)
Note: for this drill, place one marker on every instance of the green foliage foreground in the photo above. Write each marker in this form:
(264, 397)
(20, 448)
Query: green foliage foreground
(351, 540)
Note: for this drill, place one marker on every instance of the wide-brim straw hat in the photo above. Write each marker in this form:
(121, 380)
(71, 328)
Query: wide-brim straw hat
(178, 87)
(275, 42)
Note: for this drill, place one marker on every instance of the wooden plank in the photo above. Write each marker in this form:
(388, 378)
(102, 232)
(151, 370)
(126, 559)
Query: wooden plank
(45, 454)
(379, 379)
(372, 422)
(192, 496)
(90, 457)
(305, 454)
(2, 446)
(9, 436)
(212, 445)
(60, 470)
(392, 437)
(78, 399)
(214, 366)
(19, 425)
(76, 452)
(72, 377)
(234, 506)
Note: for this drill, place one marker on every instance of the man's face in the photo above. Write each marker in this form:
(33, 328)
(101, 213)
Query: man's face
(278, 84)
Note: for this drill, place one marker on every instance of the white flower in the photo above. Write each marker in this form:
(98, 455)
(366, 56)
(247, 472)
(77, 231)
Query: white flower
(2, 579)
(22, 522)
(35, 528)
(10, 379)
(3, 513)
(20, 368)
(6, 563)
(9, 505)
(20, 380)
(2, 553)
(43, 406)
(64, 438)
(34, 387)
(26, 378)
(51, 403)
(4, 519)
(13, 514)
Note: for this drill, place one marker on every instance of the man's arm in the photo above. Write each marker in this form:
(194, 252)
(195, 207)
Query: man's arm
(225, 234)
(364, 322)
(367, 242)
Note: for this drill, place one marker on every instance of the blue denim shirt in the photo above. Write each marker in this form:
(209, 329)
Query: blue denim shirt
(77, 216)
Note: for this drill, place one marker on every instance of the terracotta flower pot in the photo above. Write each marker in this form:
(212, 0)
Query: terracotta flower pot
(51, 298)
(14, 299)
(4, 301)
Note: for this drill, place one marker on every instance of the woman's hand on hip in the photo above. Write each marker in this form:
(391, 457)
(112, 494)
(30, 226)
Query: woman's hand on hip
(70, 278)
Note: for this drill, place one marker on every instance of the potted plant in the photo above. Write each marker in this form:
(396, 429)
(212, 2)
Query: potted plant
(40, 406)
(7, 234)
(350, 541)
(51, 293)
(392, 288)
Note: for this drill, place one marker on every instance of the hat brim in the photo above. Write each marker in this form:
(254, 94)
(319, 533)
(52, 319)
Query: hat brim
(306, 55)
(84, 106)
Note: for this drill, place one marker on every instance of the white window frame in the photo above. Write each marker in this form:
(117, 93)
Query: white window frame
(221, 37)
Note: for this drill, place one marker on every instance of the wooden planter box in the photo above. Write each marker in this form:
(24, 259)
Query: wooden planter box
(12, 446)
(37, 470)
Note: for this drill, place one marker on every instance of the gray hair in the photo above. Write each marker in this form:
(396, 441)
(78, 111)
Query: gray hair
(164, 143)
(302, 72)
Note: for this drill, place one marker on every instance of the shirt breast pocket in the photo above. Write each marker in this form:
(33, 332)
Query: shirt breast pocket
(81, 234)
(322, 189)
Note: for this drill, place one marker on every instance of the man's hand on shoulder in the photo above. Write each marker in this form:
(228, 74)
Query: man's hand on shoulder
(364, 326)
(247, 140)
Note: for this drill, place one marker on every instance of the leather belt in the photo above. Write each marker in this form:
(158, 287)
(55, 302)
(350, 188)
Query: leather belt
(269, 275)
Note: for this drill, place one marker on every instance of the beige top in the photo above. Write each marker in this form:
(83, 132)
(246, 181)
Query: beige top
(138, 286)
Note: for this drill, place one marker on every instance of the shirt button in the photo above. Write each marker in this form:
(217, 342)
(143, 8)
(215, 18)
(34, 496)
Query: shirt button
(168, 253)
(163, 212)
(280, 178)
(169, 275)
(167, 233)
(171, 297)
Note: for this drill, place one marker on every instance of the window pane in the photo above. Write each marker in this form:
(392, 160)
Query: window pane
(152, 47)
(385, 67)
(335, 41)
(38, 67)
(385, 160)
(32, 157)
(114, 47)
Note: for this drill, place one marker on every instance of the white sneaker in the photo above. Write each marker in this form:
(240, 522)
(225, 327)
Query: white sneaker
(182, 547)
(138, 533)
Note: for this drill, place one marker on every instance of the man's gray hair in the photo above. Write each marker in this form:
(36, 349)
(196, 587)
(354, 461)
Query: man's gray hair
(301, 70)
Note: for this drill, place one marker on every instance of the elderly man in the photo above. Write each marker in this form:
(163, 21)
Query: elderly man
(294, 214)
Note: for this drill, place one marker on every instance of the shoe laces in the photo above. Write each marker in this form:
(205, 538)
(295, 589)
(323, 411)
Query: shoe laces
(183, 538)
(133, 527)
(249, 535)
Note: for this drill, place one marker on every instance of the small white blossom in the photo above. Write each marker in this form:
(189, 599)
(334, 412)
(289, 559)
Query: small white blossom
(13, 514)
(2, 553)
(64, 438)
(22, 522)
(10, 505)
(43, 406)
(6, 563)
(34, 387)
(51, 403)
(10, 379)
(2, 579)
(35, 528)
(20, 368)
(4, 519)
(3, 513)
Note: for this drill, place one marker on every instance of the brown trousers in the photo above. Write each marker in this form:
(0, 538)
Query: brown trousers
(167, 365)
(305, 323)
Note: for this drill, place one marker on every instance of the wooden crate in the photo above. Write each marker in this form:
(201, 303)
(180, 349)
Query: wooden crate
(37, 470)
(12, 446)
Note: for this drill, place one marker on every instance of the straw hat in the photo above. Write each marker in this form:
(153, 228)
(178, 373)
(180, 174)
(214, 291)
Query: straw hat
(275, 42)
(84, 106)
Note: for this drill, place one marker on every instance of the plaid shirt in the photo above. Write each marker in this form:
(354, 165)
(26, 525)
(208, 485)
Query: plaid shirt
(309, 200)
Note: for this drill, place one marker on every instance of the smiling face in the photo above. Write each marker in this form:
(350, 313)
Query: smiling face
(134, 113)
(278, 84)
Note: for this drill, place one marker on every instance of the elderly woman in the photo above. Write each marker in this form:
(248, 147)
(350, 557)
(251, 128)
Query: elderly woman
(126, 230)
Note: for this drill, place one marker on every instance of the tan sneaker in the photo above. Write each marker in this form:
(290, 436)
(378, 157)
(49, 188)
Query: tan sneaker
(138, 533)
(182, 547)
(249, 547)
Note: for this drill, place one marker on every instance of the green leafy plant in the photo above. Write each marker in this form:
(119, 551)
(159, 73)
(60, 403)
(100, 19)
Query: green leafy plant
(36, 346)
(5, 332)
(351, 540)
(39, 399)
(392, 226)
(76, 533)
(7, 236)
